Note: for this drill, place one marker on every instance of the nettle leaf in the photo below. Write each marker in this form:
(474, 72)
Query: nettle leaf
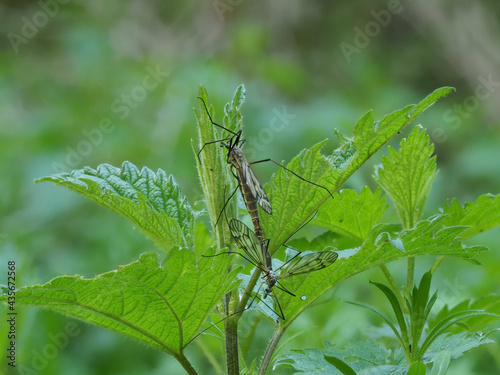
(428, 237)
(372, 358)
(232, 114)
(159, 304)
(323, 241)
(407, 175)
(482, 215)
(370, 136)
(350, 214)
(362, 358)
(153, 202)
(456, 345)
(294, 201)
(203, 238)
(441, 363)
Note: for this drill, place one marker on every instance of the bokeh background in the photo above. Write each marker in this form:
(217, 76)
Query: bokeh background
(90, 82)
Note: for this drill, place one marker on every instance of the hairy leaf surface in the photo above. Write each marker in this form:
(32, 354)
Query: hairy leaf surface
(152, 201)
(160, 304)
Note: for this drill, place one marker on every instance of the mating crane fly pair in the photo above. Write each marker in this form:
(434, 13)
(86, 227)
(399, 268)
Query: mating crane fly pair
(257, 253)
(254, 244)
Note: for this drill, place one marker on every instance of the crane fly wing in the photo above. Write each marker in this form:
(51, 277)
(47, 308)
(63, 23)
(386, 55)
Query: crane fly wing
(248, 241)
(256, 188)
(310, 263)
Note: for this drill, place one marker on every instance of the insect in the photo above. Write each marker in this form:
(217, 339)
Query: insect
(252, 191)
(257, 253)
(254, 249)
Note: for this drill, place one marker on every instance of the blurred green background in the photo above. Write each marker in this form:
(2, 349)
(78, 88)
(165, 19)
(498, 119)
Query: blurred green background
(90, 82)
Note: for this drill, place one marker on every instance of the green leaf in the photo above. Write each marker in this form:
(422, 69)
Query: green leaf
(295, 201)
(430, 304)
(482, 215)
(407, 176)
(419, 308)
(398, 311)
(441, 363)
(289, 340)
(350, 214)
(216, 181)
(430, 100)
(153, 202)
(364, 358)
(418, 318)
(232, 114)
(428, 237)
(202, 238)
(442, 325)
(402, 342)
(161, 305)
(455, 345)
(369, 136)
(341, 365)
(418, 368)
(490, 303)
(323, 241)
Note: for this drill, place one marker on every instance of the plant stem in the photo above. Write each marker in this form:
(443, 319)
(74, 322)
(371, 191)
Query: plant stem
(248, 291)
(231, 326)
(231, 336)
(186, 364)
(395, 288)
(436, 264)
(410, 274)
(266, 360)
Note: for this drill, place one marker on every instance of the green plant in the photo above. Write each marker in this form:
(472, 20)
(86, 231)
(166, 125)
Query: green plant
(164, 303)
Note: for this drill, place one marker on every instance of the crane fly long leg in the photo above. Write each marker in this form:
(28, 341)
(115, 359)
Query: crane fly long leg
(225, 204)
(292, 172)
(211, 143)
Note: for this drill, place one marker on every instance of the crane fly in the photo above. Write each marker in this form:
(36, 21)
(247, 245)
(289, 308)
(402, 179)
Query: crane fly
(257, 254)
(251, 189)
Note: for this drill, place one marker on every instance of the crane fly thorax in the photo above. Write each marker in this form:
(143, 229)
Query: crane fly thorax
(271, 278)
(236, 151)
